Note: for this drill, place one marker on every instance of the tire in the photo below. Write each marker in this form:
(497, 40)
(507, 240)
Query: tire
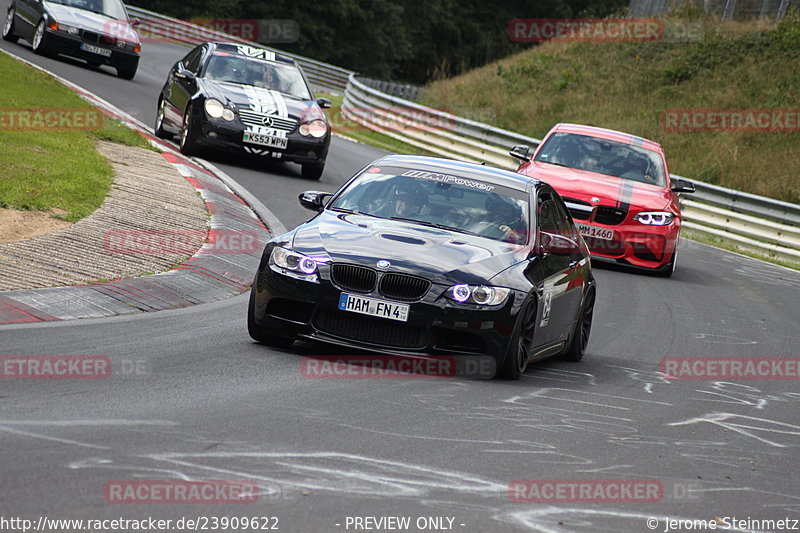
(160, 132)
(667, 270)
(39, 39)
(516, 360)
(8, 27)
(583, 327)
(256, 333)
(127, 73)
(313, 171)
(188, 141)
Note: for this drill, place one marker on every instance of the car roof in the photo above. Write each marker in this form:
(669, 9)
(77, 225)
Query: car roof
(246, 50)
(611, 135)
(486, 173)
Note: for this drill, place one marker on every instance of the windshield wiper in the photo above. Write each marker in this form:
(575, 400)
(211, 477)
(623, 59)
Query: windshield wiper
(436, 225)
(552, 163)
(352, 211)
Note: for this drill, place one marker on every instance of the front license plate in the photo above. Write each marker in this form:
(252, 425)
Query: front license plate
(373, 307)
(265, 140)
(598, 233)
(95, 50)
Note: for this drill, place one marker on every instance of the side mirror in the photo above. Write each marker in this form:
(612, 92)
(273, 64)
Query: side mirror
(324, 103)
(313, 200)
(679, 185)
(521, 152)
(184, 74)
(135, 22)
(551, 243)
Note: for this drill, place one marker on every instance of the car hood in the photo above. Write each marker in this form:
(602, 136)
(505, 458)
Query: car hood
(94, 22)
(442, 256)
(258, 99)
(583, 185)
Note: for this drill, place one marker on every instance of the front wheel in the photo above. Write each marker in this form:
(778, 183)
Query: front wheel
(256, 333)
(160, 132)
(313, 171)
(188, 141)
(583, 327)
(519, 349)
(8, 27)
(39, 41)
(669, 269)
(127, 73)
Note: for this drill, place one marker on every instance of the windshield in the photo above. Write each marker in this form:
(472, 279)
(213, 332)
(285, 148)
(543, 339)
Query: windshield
(286, 79)
(110, 8)
(612, 158)
(450, 202)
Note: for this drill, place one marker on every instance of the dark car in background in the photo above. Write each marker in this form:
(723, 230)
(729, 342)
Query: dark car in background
(425, 256)
(244, 99)
(96, 31)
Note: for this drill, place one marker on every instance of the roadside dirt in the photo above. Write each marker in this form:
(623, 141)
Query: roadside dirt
(20, 225)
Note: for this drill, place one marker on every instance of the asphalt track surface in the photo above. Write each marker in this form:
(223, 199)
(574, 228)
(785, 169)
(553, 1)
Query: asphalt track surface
(192, 398)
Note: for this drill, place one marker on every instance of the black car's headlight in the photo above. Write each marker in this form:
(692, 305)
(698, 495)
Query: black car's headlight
(216, 109)
(316, 128)
(294, 264)
(654, 218)
(72, 30)
(126, 45)
(478, 294)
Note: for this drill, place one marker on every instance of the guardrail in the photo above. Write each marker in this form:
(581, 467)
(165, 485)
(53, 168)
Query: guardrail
(754, 223)
(178, 31)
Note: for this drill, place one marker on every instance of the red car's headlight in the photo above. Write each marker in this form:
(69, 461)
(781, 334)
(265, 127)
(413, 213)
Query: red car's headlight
(654, 218)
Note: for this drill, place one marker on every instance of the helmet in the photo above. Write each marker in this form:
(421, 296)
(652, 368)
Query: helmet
(413, 195)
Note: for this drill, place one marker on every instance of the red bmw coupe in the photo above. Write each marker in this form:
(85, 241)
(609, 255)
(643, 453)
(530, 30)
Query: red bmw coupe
(617, 188)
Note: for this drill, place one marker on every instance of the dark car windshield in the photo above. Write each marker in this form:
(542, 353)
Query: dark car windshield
(286, 79)
(612, 158)
(110, 8)
(445, 201)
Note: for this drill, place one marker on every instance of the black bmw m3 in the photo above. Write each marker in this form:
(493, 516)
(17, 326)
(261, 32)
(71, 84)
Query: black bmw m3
(425, 256)
(244, 99)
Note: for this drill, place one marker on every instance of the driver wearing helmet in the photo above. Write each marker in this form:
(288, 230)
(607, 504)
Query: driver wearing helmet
(508, 216)
(406, 201)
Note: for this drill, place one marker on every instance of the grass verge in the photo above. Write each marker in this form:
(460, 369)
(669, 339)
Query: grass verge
(46, 163)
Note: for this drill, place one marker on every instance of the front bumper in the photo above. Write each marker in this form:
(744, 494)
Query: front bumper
(69, 45)
(288, 307)
(637, 245)
(227, 135)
